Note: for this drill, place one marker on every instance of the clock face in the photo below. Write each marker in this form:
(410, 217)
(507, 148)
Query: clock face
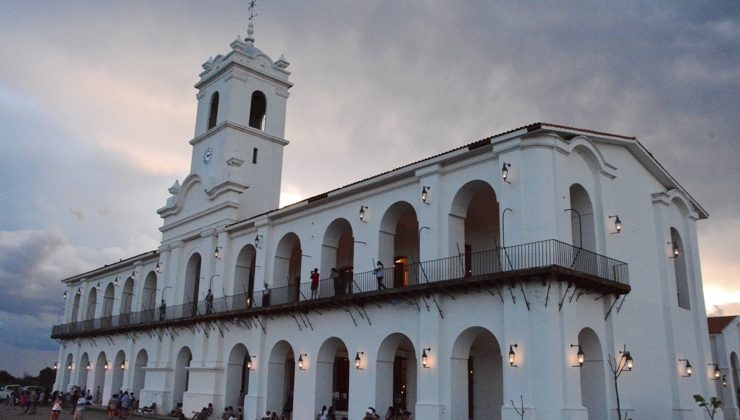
(207, 155)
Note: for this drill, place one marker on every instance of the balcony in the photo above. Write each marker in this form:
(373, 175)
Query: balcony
(544, 262)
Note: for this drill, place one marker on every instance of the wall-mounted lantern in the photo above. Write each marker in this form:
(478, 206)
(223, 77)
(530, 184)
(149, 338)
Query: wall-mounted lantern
(217, 252)
(581, 356)
(65, 295)
(249, 362)
(724, 380)
(358, 360)
(300, 360)
(55, 366)
(69, 366)
(363, 214)
(617, 224)
(133, 275)
(88, 367)
(425, 358)
(717, 372)
(258, 241)
(505, 172)
(115, 282)
(425, 194)
(97, 287)
(675, 250)
(79, 291)
(123, 365)
(158, 268)
(512, 355)
(687, 368)
(107, 365)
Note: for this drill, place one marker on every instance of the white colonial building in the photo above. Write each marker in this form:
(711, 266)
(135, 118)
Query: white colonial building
(521, 267)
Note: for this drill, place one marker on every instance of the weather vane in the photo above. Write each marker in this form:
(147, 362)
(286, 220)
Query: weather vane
(252, 15)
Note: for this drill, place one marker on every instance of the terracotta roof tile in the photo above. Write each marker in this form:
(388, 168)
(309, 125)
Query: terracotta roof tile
(718, 323)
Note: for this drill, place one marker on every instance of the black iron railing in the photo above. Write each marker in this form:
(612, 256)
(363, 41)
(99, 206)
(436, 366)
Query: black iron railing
(471, 266)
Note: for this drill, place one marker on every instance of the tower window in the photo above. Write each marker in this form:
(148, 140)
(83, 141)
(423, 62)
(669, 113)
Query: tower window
(213, 114)
(257, 110)
(254, 155)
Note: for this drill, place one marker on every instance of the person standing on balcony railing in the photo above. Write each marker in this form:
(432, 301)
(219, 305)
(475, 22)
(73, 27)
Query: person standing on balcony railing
(334, 276)
(162, 310)
(315, 283)
(379, 275)
(209, 302)
(266, 296)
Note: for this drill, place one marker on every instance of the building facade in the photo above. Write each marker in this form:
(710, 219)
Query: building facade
(522, 271)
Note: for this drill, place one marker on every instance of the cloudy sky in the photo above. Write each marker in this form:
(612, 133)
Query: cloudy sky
(97, 107)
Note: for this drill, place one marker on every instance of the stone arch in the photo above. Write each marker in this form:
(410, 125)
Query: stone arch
(213, 110)
(280, 377)
(142, 358)
(149, 296)
(287, 270)
(108, 299)
(192, 285)
(92, 302)
(258, 110)
(246, 263)
(82, 370)
(99, 377)
(474, 228)
(68, 367)
(583, 230)
(396, 373)
(127, 296)
(338, 251)
(182, 375)
(118, 368)
(592, 374)
(75, 308)
(678, 254)
(398, 243)
(476, 370)
(237, 376)
(332, 375)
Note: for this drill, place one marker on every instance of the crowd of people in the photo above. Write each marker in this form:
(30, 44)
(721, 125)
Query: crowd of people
(119, 406)
(26, 400)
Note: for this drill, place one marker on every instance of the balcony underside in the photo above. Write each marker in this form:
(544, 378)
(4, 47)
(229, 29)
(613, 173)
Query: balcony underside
(494, 283)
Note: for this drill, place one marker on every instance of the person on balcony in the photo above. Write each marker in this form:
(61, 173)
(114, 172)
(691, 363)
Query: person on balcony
(162, 310)
(315, 283)
(334, 276)
(379, 275)
(266, 296)
(209, 302)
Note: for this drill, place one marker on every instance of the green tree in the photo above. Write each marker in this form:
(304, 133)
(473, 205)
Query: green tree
(712, 406)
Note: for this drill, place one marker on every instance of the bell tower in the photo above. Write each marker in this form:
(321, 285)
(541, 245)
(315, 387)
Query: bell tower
(237, 154)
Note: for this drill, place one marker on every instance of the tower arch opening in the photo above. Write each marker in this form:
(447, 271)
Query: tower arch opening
(213, 110)
(258, 110)
(118, 368)
(182, 375)
(142, 358)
